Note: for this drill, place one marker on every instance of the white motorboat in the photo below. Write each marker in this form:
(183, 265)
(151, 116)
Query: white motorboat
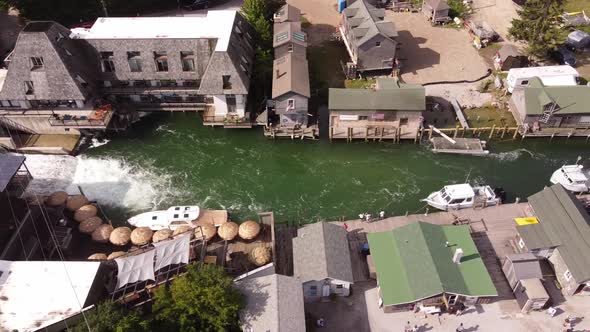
(572, 178)
(462, 196)
(172, 218)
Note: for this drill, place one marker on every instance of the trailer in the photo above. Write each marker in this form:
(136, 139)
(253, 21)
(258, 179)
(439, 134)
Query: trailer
(549, 75)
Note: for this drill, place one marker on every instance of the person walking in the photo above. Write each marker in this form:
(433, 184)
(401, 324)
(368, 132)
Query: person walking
(460, 328)
(408, 327)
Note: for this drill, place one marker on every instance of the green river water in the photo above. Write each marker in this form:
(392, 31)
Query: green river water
(306, 181)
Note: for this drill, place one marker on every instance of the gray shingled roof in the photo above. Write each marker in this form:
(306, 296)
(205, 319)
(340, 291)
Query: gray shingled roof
(564, 221)
(321, 251)
(438, 4)
(368, 22)
(290, 74)
(405, 97)
(273, 303)
(9, 165)
(57, 79)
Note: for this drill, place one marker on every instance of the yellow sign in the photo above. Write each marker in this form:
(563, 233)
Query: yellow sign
(526, 221)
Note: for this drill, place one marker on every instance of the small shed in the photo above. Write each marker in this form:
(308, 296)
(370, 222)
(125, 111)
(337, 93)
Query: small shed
(524, 275)
(578, 39)
(509, 57)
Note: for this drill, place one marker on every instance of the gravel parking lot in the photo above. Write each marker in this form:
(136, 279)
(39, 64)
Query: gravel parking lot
(430, 54)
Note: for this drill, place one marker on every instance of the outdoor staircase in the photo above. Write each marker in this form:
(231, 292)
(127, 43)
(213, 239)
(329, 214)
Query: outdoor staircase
(6, 122)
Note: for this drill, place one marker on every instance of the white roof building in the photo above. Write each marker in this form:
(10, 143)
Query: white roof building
(549, 75)
(34, 295)
(216, 24)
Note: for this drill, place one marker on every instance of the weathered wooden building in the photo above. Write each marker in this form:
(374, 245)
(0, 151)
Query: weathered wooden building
(369, 39)
(561, 236)
(428, 267)
(321, 261)
(390, 110)
(539, 106)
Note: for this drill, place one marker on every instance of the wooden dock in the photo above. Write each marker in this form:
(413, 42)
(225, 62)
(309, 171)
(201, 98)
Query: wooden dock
(311, 132)
(492, 230)
(471, 146)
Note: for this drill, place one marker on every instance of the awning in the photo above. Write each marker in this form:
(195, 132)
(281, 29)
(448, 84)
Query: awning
(172, 252)
(135, 268)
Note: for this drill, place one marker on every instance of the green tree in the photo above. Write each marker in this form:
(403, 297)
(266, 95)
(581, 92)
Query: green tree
(538, 26)
(110, 317)
(199, 300)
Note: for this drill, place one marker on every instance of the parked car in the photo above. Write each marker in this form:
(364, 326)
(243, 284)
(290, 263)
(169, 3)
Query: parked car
(564, 56)
(196, 4)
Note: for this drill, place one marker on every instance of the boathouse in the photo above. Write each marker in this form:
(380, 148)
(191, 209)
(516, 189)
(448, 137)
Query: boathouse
(390, 110)
(321, 261)
(369, 39)
(427, 267)
(274, 302)
(539, 106)
(561, 235)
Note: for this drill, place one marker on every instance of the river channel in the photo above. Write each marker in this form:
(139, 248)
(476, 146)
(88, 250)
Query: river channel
(168, 160)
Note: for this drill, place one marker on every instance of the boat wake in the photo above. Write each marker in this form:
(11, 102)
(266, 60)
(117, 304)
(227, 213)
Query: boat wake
(110, 181)
(512, 155)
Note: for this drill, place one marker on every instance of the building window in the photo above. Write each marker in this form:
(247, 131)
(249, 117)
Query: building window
(363, 117)
(188, 61)
(339, 286)
(29, 89)
(290, 48)
(36, 62)
(209, 100)
(313, 290)
(567, 275)
(378, 44)
(291, 104)
(134, 59)
(403, 121)
(107, 61)
(191, 83)
(167, 83)
(521, 243)
(141, 84)
(161, 59)
(226, 82)
(14, 103)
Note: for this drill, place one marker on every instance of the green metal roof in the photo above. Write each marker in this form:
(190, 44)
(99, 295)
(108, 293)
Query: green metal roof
(571, 99)
(563, 221)
(393, 97)
(413, 263)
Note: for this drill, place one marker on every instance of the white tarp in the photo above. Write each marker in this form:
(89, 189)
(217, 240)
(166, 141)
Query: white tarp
(36, 294)
(135, 268)
(172, 252)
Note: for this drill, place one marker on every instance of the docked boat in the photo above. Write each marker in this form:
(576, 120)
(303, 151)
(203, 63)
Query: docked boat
(462, 196)
(171, 218)
(572, 178)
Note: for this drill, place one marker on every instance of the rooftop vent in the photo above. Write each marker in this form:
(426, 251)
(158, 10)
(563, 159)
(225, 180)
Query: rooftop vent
(457, 256)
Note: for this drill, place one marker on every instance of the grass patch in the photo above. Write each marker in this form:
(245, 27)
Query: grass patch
(325, 70)
(577, 5)
(487, 116)
(359, 84)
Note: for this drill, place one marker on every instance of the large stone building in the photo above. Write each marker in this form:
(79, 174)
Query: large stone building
(62, 81)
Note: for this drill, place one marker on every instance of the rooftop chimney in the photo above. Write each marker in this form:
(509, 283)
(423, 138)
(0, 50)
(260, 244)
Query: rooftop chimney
(457, 256)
